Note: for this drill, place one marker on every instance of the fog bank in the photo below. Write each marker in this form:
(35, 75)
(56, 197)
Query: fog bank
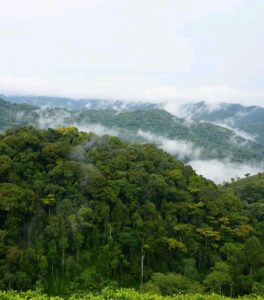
(220, 171)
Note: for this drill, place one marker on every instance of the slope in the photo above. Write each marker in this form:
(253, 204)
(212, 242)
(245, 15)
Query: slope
(251, 192)
(247, 119)
(79, 212)
(211, 141)
(185, 140)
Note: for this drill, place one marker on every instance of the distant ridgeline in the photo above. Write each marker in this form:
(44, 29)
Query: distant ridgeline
(247, 119)
(185, 140)
(80, 212)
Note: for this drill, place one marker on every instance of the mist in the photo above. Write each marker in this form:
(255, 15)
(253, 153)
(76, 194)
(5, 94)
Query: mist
(97, 129)
(245, 135)
(218, 171)
(181, 148)
(221, 171)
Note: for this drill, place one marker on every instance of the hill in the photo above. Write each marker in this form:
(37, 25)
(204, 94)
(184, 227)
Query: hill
(251, 192)
(246, 120)
(78, 104)
(185, 140)
(199, 140)
(79, 212)
(12, 115)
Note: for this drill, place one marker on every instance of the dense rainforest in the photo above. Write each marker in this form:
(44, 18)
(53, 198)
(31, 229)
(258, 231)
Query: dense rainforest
(251, 192)
(80, 212)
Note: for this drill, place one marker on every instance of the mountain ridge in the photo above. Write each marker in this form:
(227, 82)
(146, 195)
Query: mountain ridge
(205, 140)
(249, 119)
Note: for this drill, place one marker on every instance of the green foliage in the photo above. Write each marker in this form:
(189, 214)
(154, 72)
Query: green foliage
(170, 284)
(119, 294)
(79, 212)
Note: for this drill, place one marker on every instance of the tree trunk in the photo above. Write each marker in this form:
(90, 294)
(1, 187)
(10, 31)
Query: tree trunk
(142, 265)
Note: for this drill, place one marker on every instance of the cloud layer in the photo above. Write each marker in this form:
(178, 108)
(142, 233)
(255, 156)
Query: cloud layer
(134, 49)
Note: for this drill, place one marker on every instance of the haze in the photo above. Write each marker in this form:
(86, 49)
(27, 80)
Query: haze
(155, 50)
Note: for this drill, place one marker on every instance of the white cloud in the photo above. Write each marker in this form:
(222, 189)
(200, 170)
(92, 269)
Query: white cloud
(167, 50)
(22, 84)
(216, 170)
(237, 131)
(56, 118)
(212, 94)
(97, 129)
(220, 171)
(57, 8)
(180, 148)
(128, 87)
(51, 118)
(49, 8)
(175, 98)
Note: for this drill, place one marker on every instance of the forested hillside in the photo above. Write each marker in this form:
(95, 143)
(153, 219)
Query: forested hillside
(12, 115)
(249, 119)
(78, 104)
(79, 212)
(211, 140)
(251, 192)
(198, 140)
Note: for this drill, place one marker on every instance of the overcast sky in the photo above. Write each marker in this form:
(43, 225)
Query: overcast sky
(177, 50)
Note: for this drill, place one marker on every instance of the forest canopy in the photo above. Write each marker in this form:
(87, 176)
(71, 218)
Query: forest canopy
(80, 212)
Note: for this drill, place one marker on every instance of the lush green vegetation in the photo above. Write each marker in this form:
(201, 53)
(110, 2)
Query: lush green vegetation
(12, 115)
(79, 212)
(120, 294)
(251, 192)
(212, 142)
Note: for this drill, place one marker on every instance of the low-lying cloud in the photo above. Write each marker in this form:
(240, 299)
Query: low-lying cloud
(50, 118)
(97, 129)
(59, 117)
(180, 148)
(220, 171)
(216, 170)
(245, 135)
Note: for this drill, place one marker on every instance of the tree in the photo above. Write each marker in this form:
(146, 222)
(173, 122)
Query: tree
(219, 278)
(64, 244)
(254, 255)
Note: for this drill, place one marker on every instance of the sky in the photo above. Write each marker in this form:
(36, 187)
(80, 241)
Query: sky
(151, 50)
